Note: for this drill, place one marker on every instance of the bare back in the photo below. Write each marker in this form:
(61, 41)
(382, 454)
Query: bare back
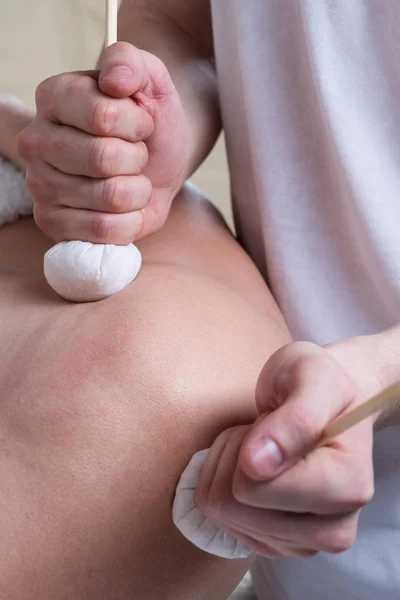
(103, 404)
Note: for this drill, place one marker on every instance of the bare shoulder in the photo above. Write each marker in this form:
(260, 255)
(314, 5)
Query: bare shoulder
(172, 341)
(198, 309)
(191, 16)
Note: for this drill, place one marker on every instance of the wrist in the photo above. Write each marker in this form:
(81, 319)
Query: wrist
(371, 361)
(358, 357)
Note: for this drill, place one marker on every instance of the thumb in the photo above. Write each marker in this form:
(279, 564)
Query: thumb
(126, 70)
(122, 70)
(301, 391)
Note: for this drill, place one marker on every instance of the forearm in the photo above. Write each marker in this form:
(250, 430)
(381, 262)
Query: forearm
(190, 66)
(387, 352)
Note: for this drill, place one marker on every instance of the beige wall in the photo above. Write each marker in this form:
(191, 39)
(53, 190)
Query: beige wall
(39, 38)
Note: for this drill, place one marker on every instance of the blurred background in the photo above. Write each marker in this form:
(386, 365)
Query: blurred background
(39, 38)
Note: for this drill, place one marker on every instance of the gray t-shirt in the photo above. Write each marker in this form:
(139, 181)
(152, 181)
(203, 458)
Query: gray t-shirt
(310, 97)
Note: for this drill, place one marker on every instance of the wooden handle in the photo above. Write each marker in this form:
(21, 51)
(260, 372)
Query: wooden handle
(344, 422)
(111, 22)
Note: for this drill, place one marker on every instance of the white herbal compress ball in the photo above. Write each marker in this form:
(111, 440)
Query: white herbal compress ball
(192, 523)
(85, 272)
(77, 271)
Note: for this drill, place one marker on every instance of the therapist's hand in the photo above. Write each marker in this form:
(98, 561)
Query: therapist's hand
(106, 151)
(268, 485)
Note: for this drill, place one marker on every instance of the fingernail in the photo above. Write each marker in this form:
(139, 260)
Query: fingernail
(266, 457)
(119, 72)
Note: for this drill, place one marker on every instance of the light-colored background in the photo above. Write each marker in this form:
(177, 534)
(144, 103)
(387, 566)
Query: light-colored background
(39, 38)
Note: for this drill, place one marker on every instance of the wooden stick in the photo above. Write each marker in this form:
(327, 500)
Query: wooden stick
(344, 422)
(111, 22)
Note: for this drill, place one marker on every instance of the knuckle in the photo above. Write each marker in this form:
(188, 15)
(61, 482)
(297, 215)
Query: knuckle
(358, 498)
(335, 539)
(137, 227)
(36, 185)
(138, 191)
(70, 84)
(43, 219)
(115, 195)
(28, 145)
(340, 540)
(143, 154)
(58, 146)
(308, 368)
(164, 216)
(304, 420)
(105, 115)
(147, 189)
(45, 91)
(101, 228)
(223, 437)
(366, 493)
(102, 157)
(160, 220)
(144, 127)
(159, 216)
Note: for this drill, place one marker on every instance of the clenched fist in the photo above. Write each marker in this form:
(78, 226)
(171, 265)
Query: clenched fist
(270, 485)
(106, 150)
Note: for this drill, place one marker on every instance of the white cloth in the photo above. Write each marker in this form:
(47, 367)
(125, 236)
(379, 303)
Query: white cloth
(310, 99)
(15, 200)
(193, 524)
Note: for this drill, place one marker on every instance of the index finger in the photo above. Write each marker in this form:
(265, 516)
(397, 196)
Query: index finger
(75, 99)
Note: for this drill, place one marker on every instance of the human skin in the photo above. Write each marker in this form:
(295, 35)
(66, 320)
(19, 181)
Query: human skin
(108, 150)
(103, 404)
(272, 484)
(14, 116)
(368, 362)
